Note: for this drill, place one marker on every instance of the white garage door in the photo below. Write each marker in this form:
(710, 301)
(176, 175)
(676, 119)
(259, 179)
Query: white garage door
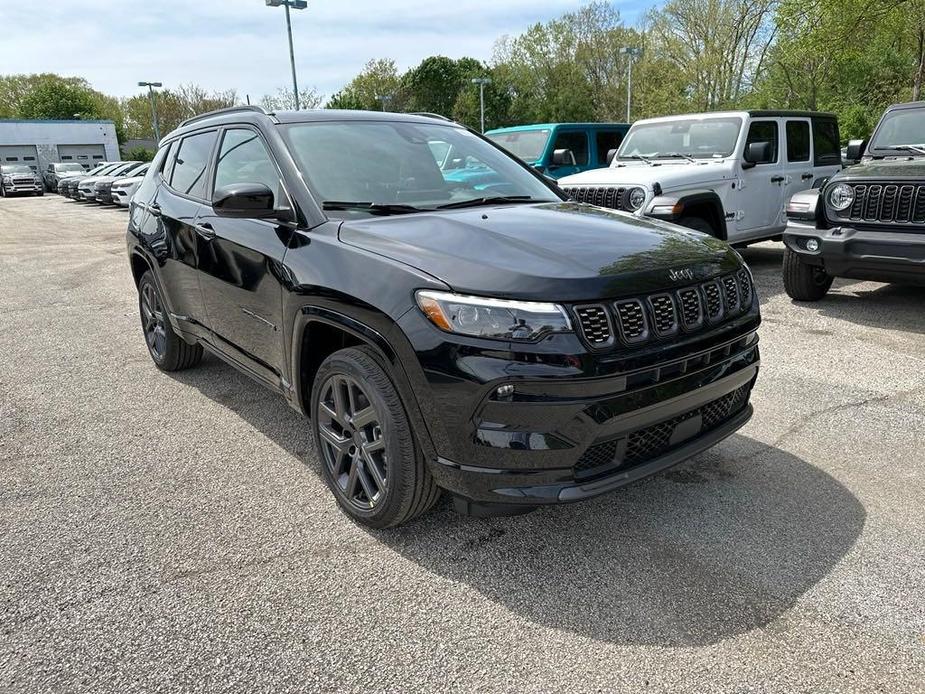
(19, 154)
(87, 156)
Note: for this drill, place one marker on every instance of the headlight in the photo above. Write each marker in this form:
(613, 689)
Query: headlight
(496, 318)
(635, 197)
(7, 179)
(841, 196)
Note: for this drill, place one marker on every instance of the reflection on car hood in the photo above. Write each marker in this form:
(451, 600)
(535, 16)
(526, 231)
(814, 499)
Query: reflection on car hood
(885, 168)
(547, 251)
(666, 172)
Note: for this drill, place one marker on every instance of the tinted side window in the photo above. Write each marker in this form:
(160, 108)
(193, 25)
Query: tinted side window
(764, 131)
(797, 140)
(189, 169)
(575, 141)
(827, 142)
(244, 159)
(606, 140)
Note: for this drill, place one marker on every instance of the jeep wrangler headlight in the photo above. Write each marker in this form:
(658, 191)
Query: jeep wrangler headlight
(841, 196)
(496, 318)
(635, 198)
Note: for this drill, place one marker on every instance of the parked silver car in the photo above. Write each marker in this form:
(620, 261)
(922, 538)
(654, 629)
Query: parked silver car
(17, 179)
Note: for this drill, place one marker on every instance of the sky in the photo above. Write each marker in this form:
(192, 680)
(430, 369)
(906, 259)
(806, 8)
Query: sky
(241, 44)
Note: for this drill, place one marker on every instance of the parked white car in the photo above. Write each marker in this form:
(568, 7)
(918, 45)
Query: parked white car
(124, 188)
(726, 174)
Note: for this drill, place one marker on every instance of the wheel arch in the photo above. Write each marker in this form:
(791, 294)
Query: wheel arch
(696, 203)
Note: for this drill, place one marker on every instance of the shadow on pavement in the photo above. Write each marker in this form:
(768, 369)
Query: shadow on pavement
(710, 549)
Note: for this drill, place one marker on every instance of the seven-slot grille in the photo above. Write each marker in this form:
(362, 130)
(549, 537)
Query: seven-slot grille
(602, 196)
(595, 325)
(664, 314)
(891, 203)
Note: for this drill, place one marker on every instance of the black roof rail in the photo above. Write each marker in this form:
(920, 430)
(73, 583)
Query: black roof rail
(427, 114)
(222, 111)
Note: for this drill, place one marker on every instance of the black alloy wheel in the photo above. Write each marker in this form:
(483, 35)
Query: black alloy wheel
(152, 321)
(168, 350)
(352, 441)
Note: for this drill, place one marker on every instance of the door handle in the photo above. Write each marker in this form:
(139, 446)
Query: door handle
(205, 231)
(806, 176)
(777, 179)
(154, 209)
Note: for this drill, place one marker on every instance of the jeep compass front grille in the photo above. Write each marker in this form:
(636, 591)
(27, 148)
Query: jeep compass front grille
(888, 204)
(636, 321)
(602, 196)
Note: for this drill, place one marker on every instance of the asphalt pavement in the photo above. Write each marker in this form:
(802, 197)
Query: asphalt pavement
(167, 534)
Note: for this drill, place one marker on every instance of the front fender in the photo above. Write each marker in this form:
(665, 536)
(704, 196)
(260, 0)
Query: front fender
(804, 208)
(672, 207)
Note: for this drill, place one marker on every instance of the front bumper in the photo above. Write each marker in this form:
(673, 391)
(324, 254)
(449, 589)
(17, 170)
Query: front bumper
(85, 194)
(580, 425)
(120, 197)
(104, 196)
(15, 188)
(881, 256)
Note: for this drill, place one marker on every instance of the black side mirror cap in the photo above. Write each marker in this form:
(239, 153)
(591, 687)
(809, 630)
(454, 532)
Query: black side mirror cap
(244, 200)
(855, 150)
(611, 155)
(563, 157)
(757, 153)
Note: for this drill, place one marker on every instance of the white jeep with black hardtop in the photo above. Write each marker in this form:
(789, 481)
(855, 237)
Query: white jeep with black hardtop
(726, 174)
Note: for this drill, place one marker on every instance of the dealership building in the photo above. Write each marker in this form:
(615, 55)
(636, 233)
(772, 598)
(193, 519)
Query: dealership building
(38, 143)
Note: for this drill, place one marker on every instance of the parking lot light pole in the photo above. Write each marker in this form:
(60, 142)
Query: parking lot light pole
(384, 99)
(481, 81)
(631, 53)
(153, 98)
(296, 5)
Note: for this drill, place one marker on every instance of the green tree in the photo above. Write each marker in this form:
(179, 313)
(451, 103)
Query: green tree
(379, 77)
(435, 84)
(284, 100)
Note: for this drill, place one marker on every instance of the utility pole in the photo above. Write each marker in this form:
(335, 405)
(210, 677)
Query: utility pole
(153, 98)
(631, 53)
(481, 81)
(296, 5)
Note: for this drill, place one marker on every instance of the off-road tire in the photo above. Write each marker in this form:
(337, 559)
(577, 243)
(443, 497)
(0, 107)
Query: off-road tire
(168, 350)
(804, 282)
(409, 489)
(698, 224)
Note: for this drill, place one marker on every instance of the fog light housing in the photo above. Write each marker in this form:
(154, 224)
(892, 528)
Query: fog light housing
(812, 245)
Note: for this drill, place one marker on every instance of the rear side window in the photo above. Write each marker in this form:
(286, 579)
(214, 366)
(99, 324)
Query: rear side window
(764, 131)
(797, 140)
(244, 159)
(575, 141)
(189, 169)
(827, 142)
(606, 140)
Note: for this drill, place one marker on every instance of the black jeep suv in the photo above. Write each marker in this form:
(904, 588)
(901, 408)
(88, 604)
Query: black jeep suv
(455, 326)
(868, 221)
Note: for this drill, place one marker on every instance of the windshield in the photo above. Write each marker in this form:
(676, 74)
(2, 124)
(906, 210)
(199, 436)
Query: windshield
(700, 138)
(68, 167)
(15, 169)
(528, 145)
(399, 167)
(899, 129)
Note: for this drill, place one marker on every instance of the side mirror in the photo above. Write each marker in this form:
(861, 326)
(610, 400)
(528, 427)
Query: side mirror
(757, 153)
(855, 150)
(243, 200)
(611, 155)
(563, 157)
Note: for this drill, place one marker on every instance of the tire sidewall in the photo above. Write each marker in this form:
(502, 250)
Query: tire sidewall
(400, 446)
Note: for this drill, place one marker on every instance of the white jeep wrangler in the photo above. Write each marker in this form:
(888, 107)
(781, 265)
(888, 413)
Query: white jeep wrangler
(726, 174)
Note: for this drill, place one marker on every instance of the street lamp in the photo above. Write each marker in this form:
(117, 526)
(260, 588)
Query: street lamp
(384, 99)
(631, 52)
(296, 5)
(481, 81)
(151, 86)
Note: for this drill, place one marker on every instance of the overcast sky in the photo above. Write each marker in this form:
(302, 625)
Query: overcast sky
(241, 44)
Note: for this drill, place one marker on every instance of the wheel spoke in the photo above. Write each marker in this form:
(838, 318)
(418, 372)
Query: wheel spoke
(373, 468)
(351, 399)
(340, 407)
(364, 418)
(351, 486)
(373, 446)
(366, 483)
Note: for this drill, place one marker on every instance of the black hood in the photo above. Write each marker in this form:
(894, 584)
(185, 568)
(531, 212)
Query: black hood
(549, 251)
(884, 169)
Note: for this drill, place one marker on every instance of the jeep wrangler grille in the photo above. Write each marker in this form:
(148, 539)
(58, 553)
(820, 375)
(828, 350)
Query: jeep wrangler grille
(888, 204)
(602, 196)
(638, 320)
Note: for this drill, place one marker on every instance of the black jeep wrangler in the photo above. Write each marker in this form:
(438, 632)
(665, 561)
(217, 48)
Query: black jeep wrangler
(868, 221)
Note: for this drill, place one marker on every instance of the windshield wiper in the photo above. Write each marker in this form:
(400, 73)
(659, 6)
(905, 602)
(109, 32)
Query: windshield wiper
(677, 155)
(371, 207)
(500, 199)
(918, 149)
(639, 157)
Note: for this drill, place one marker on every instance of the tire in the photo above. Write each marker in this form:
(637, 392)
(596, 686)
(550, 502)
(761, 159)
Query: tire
(168, 350)
(41, 193)
(804, 282)
(372, 462)
(2, 191)
(698, 224)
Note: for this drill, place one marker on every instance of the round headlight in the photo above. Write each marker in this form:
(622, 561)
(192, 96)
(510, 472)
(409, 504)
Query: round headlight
(635, 197)
(841, 196)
